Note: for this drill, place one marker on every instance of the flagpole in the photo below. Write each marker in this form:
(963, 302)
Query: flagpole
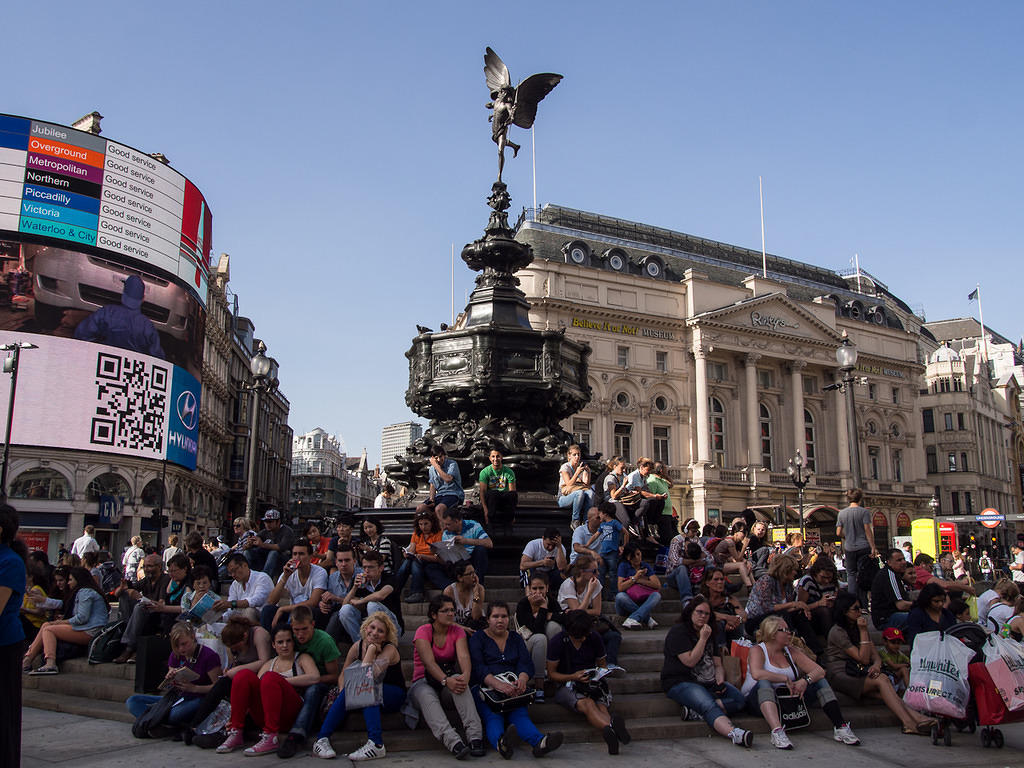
(764, 254)
(981, 319)
(453, 284)
(856, 259)
(533, 142)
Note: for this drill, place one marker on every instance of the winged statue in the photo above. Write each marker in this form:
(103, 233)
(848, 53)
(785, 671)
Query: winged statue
(512, 106)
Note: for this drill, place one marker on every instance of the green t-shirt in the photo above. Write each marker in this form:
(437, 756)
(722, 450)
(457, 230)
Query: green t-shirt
(656, 484)
(321, 648)
(500, 481)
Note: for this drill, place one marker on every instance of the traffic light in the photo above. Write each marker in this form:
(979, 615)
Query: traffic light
(159, 519)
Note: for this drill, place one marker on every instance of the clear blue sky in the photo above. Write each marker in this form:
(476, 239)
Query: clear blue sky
(343, 147)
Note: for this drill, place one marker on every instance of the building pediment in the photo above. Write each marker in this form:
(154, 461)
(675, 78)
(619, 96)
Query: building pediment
(773, 315)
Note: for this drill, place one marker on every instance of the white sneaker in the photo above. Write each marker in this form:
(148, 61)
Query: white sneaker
(742, 738)
(780, 740)
(651, 623)
(631, 623)
(322, 748)
(369, 751)
(846, 735)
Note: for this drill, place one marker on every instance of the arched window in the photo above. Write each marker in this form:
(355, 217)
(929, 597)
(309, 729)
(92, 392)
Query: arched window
(766, 436)
(152, 494)
(108, 484)
(717, 411)
(810, 441)
(41, 483)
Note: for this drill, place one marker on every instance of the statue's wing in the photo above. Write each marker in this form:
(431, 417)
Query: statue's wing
(495, 72)
(528, 95)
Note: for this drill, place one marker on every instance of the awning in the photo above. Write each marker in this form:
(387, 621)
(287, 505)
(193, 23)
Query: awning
(58, 520)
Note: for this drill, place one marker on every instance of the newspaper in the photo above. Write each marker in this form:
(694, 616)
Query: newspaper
(202, 611)
(181, 675)
(449, 552)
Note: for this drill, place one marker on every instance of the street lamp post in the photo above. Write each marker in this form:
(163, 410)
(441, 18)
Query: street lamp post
(260, 367)
(933, 504)
(846, 356)
(800, 477)
(11, 367)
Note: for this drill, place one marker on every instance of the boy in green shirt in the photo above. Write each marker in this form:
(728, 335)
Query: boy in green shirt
(498, 491)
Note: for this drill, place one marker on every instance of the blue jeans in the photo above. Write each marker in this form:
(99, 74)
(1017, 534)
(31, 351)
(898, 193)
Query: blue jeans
(612, 639)
(266, 560)
(898, 620)
(180, 713)
(310, 708)
(351, 618)
(419, 571)
(680, 579)
(494, 724)
(394, 698)
(626, 606)
(610, 575)
(701, 700)
(580, 501)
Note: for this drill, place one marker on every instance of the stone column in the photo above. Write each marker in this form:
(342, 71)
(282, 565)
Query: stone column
(796, 368)
(753, 412)
(700, 377)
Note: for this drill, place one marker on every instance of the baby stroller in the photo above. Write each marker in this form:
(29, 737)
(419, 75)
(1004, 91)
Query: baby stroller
(987, 705)
(973, 636)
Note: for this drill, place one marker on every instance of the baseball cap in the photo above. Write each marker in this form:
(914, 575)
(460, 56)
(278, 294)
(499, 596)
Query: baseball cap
(271, 514)
(892, 633)
(134, 290)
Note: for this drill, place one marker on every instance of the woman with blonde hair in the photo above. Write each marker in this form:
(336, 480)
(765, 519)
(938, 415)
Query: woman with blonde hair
(172, 548)
(377, 648)
(775, 663)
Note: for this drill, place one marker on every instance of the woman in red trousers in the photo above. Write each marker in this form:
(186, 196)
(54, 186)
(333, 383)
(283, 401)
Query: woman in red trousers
(273, 697)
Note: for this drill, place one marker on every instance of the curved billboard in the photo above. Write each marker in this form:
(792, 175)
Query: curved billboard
(104, 262)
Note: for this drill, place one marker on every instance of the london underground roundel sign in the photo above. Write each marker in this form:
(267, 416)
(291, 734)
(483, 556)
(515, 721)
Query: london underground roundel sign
(990, 518)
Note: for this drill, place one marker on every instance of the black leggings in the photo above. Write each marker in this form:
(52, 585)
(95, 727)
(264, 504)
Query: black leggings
(221, 690)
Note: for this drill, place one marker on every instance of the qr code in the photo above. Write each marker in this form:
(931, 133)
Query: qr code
(131, 403)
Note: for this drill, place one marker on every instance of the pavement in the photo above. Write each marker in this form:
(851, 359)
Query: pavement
(58, 739)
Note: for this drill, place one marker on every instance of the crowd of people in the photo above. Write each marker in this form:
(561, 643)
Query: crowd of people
(307, 626)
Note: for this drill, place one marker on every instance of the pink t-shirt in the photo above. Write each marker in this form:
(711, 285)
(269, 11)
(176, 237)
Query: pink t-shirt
(447, 653)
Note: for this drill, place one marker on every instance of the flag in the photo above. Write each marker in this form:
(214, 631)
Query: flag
(972, 295)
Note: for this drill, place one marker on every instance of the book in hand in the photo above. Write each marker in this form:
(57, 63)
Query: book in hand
(181, 675)
(448, 551)
(202, 611)
(597, 673)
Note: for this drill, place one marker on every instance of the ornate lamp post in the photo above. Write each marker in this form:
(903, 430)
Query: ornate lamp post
(933, 504)
(260, 366)
(800, 477)
(11, 367)
(846, 356)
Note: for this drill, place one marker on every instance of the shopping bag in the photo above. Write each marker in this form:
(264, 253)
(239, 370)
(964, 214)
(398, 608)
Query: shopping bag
(792, 709)
(1004, 660)
(938, 675)
(361, 688)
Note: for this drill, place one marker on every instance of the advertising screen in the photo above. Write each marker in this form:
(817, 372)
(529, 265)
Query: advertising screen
(104, 263)
(57, 183)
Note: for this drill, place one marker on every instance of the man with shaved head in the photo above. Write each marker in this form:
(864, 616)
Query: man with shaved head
(135, 605)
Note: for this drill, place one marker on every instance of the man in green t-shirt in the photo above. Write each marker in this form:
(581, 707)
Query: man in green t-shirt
(658, 482)
(321, 646)
(498, 491)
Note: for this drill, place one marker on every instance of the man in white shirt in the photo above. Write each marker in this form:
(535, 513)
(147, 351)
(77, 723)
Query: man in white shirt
(85, 543)
(249, 589)
(304, 582)
(544, 557)
(1016, 567)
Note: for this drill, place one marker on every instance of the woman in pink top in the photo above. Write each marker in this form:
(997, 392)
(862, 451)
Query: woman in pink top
(441, 668)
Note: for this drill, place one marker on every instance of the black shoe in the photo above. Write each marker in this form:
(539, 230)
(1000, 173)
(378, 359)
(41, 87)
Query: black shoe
(549, 743)
(505, 742)
(461, 751)
(619, 726)
(476, 748)
(187, 736)
(610, 739)
(209, 740)
(162, 731)
(290, 745)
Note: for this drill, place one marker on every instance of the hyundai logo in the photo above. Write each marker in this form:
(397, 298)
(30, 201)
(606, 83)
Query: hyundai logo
(187, 411)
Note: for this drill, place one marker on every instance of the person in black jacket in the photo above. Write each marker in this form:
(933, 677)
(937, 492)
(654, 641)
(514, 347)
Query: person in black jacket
(537, 620)
(889, 597)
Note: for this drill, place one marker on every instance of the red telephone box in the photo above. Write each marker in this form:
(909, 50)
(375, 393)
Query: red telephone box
(947, 537)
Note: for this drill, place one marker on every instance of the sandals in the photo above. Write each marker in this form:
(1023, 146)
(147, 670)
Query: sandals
(924, 728)
(46, 669)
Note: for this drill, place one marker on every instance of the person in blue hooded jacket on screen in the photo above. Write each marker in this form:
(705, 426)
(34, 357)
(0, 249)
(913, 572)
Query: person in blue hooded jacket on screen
(123, 325)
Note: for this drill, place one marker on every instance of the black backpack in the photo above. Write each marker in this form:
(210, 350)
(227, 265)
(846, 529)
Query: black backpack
(107, 646)
(866, 572)
(110, 577)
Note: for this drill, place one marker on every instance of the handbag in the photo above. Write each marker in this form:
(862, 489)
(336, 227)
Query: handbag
(629, 498)
(448, 667)
(500, 702)
(792, 708)
(154, 715)
(362, 690)
(856, 669)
